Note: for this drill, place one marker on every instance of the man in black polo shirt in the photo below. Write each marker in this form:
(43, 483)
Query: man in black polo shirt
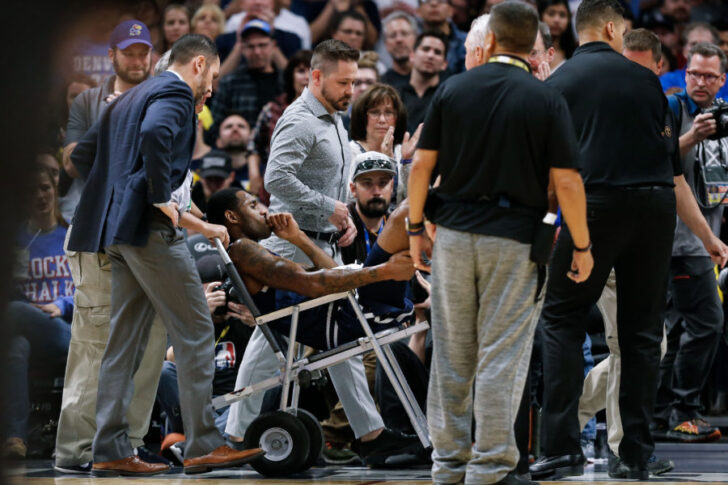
(619, 113)
(495, 157)
(428, 61)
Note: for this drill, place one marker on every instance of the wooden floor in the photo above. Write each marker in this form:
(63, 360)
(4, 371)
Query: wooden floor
(41, 473)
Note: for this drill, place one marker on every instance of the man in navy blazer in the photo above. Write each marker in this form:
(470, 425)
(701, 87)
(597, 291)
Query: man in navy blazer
(134, 157)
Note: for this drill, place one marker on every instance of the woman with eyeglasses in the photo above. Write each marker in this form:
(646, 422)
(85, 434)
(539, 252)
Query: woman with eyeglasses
(379, 123)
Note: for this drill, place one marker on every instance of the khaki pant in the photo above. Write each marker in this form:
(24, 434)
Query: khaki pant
(89, 334)
(601, 384)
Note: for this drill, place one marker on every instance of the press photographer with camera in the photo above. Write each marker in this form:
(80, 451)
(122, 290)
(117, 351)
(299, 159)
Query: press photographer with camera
(694, 313)
(233, 327)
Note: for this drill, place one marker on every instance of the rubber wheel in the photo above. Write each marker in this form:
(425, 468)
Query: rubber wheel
(315, 436)
(285, 440)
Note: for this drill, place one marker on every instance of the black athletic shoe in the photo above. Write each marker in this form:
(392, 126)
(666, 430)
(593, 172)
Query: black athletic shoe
(657, 466)
(150, 457)
(616, 468)
(515, 479)
(557, 466)
(389, 442)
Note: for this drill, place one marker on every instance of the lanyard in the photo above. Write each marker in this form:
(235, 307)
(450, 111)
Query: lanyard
(366, 235)
(513, 61)
(222, 334)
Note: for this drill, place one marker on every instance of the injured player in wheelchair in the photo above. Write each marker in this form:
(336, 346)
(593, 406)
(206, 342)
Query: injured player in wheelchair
(275, 282)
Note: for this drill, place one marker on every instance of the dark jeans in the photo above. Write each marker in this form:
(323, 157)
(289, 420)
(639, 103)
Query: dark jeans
(632, 231)
(694, 326)
(37, 341)
(168, 400)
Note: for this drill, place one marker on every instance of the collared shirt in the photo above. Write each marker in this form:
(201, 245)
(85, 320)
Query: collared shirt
(244, 92)
(494, 155)
(308, 165)
(621, 132)
(416, 106)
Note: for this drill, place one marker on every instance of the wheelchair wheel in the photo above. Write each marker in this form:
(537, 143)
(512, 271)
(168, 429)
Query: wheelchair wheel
(285, 440)
(315, 436)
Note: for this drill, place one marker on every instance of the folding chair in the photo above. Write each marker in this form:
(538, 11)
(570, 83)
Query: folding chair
(292, 437)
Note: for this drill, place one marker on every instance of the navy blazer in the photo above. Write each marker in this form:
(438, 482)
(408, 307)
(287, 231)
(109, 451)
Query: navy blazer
(134, 156)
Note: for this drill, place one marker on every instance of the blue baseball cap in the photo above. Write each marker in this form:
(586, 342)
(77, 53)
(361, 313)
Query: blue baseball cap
(130, 32)
(256, 25)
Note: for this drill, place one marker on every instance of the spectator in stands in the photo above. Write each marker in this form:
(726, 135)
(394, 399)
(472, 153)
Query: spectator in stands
(232, 331)
(230, 46)
(49, 162)
(349, 27)
(677, 11)
(208, 20)
(557, 16)
(282, 18)
(428, 61)
(723, 36)
(695, 317)
(436, 15)
(295, 80)
(379, 124)
(320, 13)
(693, 34)
(542, 53)
(78, 84)
(175, 24)
(234, 139)
(253, 83)
(367, 75)
(39, 317)
(372, 186)
(216, 173)
(400, 31)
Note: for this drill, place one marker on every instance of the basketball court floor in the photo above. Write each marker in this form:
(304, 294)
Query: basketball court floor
(695, 463)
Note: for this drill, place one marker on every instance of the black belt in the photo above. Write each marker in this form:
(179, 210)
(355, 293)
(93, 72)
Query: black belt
(327, 237)
(647, 187)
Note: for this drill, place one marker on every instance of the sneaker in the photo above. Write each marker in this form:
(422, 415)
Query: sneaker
(82, 469)
(389, 442)
(657, 466)
(333, 455)
(150, 457)
(694, 431)
(14, 448)
(177, 452)
(619, 469)
(587, 448)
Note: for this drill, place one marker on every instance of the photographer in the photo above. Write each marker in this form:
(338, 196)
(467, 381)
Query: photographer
(233, 328)
(695, 315)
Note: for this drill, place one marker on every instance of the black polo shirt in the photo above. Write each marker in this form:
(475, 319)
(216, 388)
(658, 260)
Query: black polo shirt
(619, 111)
(497, 130)
(395, 79)
(416, 106)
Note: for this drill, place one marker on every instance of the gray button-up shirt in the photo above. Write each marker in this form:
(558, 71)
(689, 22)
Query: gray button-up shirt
(308, 167)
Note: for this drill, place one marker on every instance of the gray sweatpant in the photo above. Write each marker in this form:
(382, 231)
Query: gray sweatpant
(483, 321)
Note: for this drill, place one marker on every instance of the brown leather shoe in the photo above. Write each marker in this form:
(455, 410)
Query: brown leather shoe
(131, 466)
(221, 457)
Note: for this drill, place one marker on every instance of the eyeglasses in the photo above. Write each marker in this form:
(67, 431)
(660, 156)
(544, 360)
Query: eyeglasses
(375, 114)
(373, 164)
(707, 78)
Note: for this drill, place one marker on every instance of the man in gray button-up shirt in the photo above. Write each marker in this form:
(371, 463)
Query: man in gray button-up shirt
(308, 166)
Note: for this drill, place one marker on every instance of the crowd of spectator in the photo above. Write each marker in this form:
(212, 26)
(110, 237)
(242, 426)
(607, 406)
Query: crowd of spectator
(408, 49)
